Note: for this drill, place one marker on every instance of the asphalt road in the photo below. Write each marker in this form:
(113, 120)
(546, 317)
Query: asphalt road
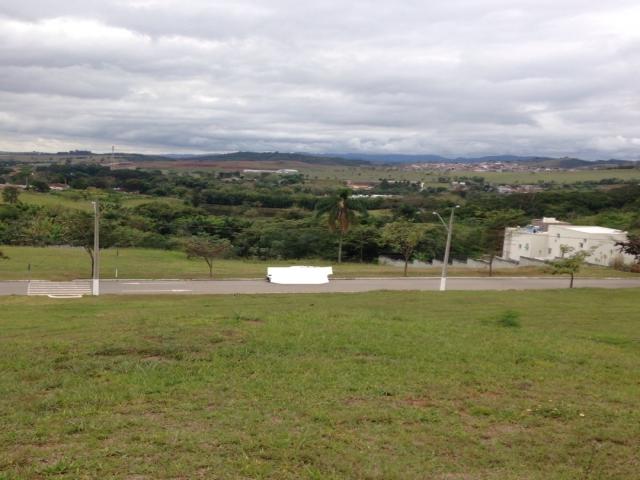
(142, 287)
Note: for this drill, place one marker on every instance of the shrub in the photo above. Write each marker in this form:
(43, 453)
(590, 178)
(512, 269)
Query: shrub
(617, 263)
(509, 319)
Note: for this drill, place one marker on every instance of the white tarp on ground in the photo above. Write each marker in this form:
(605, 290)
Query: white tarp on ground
(299, 275)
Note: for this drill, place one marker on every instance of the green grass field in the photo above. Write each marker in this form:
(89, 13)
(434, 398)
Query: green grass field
(55, 200)
(77, 201)
(560, 177)
(430, 178)
(385, 385)
(64, 263)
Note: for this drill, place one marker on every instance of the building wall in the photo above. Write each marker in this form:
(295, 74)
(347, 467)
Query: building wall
(519, 243)
(602, 246)
(546, 245)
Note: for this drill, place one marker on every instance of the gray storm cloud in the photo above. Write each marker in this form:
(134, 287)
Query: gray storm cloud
(457, 77)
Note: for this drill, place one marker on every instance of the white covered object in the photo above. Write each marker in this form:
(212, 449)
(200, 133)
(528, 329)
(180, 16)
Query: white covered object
(299, 275)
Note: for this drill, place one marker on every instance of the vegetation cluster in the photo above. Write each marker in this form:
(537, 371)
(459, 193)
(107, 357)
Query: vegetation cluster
(271, 216)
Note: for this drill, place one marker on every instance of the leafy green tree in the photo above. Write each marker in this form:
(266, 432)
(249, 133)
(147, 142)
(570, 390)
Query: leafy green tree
(569, 265)
(341, 211)
(39, 230)
(564, 249)
(208, 249)
(403, 237)
(40, 186)
(631, 246)
(362, 238)
(278, 238)
(494, 223)
(125, 236)
(25, 173)
(10, 195)
(111, 207)
(77, 231)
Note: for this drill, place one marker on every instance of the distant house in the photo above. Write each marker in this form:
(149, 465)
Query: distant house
(257, 171)
(362, 185)
(544, 237)
(507, 189)
(459, 186)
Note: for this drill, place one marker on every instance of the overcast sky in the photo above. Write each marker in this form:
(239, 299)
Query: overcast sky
(451, 77)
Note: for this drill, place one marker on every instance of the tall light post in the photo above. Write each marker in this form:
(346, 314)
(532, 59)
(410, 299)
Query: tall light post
(445, 263)
(95, 290)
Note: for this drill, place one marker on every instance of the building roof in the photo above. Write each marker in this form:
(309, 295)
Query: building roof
(553, 220)
(592, 229)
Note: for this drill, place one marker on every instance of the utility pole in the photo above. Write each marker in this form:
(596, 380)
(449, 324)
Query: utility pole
(445, 263)
(96, 249)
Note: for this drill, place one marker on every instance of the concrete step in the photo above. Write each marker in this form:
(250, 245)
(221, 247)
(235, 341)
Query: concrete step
(73, 289)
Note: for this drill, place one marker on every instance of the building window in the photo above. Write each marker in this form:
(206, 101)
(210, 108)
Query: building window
(549, 251)
(526, 246)
(581, 244)
(520, 246)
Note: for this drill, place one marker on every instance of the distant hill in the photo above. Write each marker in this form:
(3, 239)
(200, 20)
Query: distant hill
(273, 157)
(355, 159)
(545, 162)
(430, 158)
(280, 159)
(132, 157)
(390, 158)
(246, 159)
(579, 163)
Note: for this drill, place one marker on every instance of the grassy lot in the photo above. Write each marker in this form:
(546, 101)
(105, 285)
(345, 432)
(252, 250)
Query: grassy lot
(63, 263)
(79, 201)
(386, 385)
(560, 177)
(374, 173)
(55, 199)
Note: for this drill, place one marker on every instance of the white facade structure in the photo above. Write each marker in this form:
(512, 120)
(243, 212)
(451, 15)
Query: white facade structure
(299, 275)
(542, 240)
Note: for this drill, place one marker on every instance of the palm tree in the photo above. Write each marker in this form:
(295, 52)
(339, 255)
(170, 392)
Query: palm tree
(341, 213)
(26, 171)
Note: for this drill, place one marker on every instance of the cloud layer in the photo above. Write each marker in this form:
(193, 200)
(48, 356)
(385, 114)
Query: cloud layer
(450, 77)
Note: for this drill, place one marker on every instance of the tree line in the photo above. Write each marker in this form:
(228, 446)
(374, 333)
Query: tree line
(270, 217)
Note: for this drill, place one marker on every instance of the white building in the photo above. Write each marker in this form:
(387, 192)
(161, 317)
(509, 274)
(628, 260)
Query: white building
(542, 240)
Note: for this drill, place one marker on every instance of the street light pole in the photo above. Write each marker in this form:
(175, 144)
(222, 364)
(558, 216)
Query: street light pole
(447, 249)
(96, 249)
